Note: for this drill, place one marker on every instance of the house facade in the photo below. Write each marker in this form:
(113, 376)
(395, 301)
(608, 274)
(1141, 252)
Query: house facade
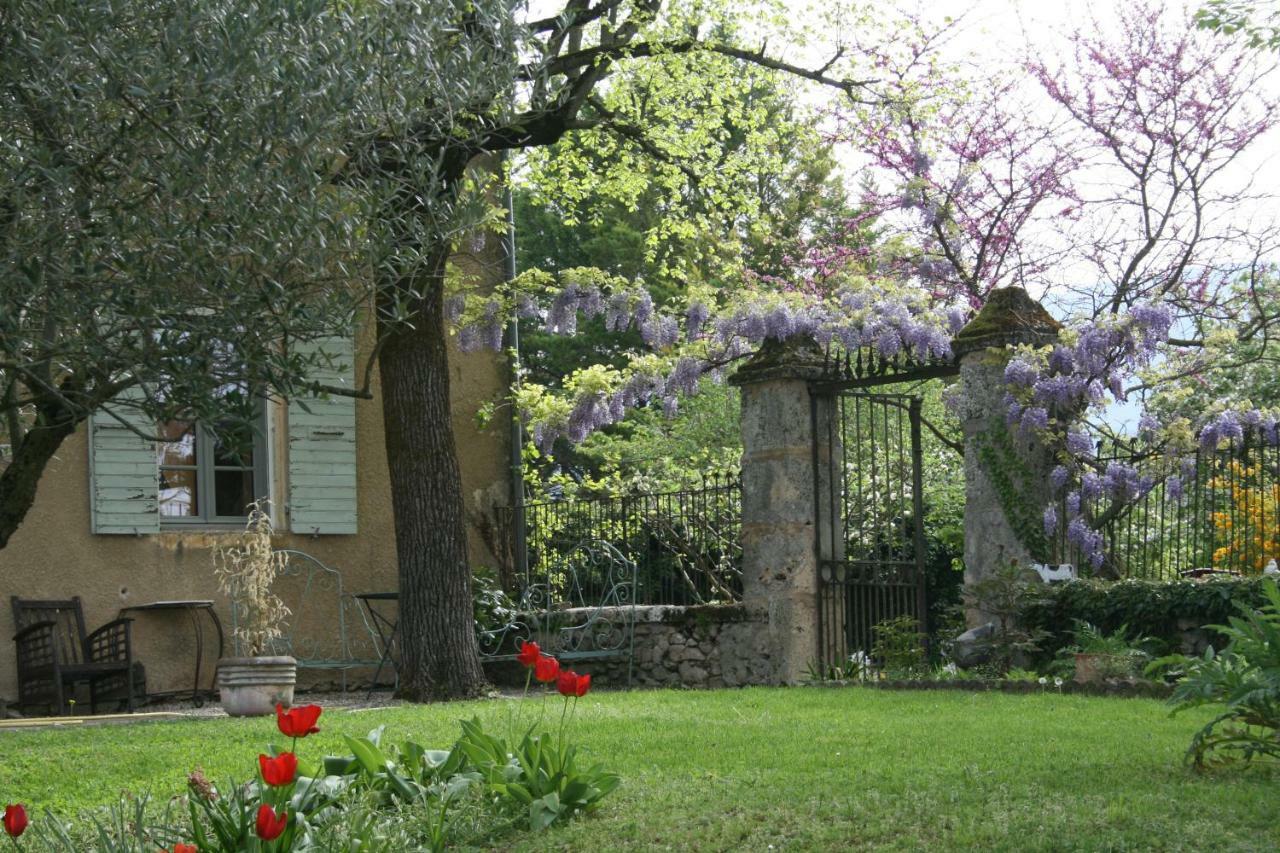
(123, 522)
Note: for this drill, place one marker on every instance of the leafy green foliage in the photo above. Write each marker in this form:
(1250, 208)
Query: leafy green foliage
(1258, 23)
(1014, 483)
(1244, 677)
(897, 647)
(1003, 596)
(1160, 610)
(540, 774)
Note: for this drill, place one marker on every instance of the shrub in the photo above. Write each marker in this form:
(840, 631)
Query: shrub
(897, 647)
(1160, 610)
(1004, 596)
(1245, 678)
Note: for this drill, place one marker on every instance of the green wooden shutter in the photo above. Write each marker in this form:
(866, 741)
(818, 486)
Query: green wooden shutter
(322, 447)
(124, 475)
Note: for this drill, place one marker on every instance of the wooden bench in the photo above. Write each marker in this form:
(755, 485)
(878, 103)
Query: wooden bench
(55, 652)
(578, 606)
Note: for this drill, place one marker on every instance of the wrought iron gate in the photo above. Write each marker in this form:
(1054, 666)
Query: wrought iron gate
(870, 537)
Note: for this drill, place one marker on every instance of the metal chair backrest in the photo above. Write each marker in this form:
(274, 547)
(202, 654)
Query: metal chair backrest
(315, 631)
(67, 616)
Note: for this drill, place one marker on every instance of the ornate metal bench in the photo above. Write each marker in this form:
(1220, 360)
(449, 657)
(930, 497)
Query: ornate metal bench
(321, 617)
(578, 606)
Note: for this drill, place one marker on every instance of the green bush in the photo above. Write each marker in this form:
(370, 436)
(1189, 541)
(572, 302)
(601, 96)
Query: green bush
(1160, 610)
(1245, 678)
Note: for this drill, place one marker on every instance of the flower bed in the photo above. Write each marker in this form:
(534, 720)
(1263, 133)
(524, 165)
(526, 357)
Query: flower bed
(379, 796)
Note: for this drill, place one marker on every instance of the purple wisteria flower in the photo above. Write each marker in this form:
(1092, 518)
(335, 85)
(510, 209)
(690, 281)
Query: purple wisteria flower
(1058, 478)
(1073, 504)
(684, 377)
(1019, 371)
(695, 317)
(454, 306)
(617, 315)
(1079, 444)
(1035, 418)
(1092, 486)
(1050, 520)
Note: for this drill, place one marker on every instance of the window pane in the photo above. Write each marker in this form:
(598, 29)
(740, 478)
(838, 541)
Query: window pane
(179, 445)
(232, 492)
(178, 494)
(233, 445)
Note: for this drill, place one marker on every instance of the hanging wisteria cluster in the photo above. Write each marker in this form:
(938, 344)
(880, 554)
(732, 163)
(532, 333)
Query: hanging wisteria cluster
(685, 345)
(1049, 391)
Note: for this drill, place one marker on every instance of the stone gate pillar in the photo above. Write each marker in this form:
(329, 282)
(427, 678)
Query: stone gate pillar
(785, 432)
(1009, 318)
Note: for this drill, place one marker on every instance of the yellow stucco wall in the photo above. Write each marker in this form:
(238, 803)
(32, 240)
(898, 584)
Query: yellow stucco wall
(55, 555)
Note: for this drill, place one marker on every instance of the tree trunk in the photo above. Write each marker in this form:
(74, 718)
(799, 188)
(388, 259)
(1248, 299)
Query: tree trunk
(439, 656)
(19, 480)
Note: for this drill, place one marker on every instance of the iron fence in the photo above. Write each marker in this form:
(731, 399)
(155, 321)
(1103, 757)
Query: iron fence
(1212, 511)
(684, 543)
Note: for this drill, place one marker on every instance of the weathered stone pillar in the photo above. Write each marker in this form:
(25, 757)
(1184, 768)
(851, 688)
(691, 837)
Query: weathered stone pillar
(1009, 318)
(784, 431)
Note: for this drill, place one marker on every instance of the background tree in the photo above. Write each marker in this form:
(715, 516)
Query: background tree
(503, 83)
(1259, 22)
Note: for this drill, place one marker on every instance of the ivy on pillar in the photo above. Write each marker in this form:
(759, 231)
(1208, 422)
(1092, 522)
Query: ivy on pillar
(1006, 472)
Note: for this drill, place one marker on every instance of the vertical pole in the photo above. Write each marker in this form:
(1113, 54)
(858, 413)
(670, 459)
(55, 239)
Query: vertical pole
(519, 531)
(917, 510)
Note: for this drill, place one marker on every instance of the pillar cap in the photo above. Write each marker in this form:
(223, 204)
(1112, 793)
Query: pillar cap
(1009, 317)
(796, 358)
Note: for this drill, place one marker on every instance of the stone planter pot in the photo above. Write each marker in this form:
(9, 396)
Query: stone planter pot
(251, 687)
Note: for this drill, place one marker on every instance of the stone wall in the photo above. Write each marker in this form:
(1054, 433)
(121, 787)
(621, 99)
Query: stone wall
(699, 646)
(714, 645)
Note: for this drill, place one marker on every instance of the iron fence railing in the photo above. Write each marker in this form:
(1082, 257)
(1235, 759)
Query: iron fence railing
(684, 543)
(1215, 510)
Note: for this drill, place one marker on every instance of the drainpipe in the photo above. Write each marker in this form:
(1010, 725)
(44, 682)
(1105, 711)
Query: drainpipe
(519, 542)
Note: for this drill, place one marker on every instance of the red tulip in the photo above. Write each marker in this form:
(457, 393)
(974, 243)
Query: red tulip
(270, 825)
(567, 682)
(185, 848)
(546, 669)
(529, 653)
(571, 684)
(297, 722)
(15, 819)
(281, 770)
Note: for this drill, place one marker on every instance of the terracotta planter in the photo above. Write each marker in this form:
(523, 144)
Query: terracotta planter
(251, 687)
(1093, 668)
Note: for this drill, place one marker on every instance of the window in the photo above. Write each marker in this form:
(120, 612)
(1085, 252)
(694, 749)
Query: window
(210, 476)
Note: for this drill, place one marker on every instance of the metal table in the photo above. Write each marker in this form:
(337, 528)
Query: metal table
(386, 628)
(192, 609)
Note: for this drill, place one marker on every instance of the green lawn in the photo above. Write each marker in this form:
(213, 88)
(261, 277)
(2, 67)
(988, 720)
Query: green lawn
(796, 768)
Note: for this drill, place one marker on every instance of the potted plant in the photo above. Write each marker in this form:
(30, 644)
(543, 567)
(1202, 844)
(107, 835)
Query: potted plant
(253, 685)
(1103, 657)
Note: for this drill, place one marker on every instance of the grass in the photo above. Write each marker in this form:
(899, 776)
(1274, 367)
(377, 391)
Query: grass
(799, 768)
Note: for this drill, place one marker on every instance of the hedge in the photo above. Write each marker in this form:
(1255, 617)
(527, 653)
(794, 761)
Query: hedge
(1163, 610)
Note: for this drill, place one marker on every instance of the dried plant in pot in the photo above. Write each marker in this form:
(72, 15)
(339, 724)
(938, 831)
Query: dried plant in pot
(252, 685)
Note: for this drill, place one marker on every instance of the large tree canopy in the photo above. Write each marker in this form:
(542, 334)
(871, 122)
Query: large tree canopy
(165, 233)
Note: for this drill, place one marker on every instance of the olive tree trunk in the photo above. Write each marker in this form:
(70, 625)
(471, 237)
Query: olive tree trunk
(439, 656)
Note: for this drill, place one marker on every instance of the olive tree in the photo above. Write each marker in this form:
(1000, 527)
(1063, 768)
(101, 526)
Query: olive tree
(165, 226)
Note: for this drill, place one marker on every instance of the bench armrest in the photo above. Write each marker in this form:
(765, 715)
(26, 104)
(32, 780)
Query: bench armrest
(111, 642)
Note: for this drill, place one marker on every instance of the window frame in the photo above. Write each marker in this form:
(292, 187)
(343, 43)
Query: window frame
(205, 468)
